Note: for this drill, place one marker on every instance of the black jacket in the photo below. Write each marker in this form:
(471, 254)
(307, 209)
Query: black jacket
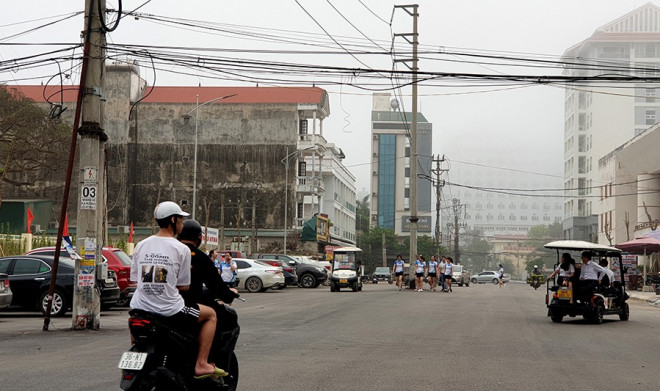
(204, 273)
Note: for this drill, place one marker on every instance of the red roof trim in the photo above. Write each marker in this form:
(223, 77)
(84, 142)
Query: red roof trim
(178, 94)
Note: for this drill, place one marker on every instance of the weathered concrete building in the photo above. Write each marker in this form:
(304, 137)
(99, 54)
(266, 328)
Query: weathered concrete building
(239, 137)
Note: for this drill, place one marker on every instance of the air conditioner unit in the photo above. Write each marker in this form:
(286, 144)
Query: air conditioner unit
(375, 154)
(375, 173)
(36, 228)
(123, 229)
(374, 195)
(375, 137)
(53, 225)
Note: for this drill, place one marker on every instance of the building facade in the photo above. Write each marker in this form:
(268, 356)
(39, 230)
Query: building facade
(241, 139)
(390, 166)
(601, 117)
(501, 201)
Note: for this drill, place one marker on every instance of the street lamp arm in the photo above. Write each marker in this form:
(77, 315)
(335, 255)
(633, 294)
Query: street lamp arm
(210, 101)
(287, 157)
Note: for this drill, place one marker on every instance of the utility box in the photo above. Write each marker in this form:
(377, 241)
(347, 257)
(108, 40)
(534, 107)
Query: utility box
(13, 215)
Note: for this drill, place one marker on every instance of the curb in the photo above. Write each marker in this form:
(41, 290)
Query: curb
(653, 300)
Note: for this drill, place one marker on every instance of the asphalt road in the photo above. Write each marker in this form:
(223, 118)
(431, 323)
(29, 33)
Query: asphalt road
(480, 337)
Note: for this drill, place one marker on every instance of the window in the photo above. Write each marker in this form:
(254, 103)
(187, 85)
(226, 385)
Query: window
(302, 169)
(30, 266)
(4, 265)
(242, 265)
(650, 117)
(650, 95)
(303, 126)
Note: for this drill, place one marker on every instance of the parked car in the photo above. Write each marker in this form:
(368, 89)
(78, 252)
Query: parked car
(117, 261)
(460, 276)
(290, 276)
(382, 273)
(488, 276)
(309, 276)
(30, 275)
(5, 292)
(257, 276)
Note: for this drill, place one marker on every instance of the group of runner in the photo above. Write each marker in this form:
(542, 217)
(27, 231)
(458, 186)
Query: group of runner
(432, 270)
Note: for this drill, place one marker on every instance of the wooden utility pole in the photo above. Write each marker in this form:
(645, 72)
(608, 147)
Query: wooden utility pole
(90, 269)
(411, 10)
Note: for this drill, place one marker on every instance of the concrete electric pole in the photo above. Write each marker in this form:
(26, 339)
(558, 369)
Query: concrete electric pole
(411, 10)
(89, 270)
(439, 184)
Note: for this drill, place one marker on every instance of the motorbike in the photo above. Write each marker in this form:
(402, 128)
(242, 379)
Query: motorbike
(536, 280)
(163, 358)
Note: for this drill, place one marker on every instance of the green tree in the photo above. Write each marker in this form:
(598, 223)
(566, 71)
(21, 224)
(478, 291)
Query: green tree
(538, 236)
(362, 215)
(31, 143)
(372, 248)
(477, 255)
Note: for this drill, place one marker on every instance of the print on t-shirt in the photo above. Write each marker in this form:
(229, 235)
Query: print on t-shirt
(147, 273)
(160, 275)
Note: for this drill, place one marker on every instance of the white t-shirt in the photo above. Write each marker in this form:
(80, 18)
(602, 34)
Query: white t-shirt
(419, 266)
(449, 268)
(433, 265)
(398, 266)
(160, 264)
(565, 273)
(226, 273)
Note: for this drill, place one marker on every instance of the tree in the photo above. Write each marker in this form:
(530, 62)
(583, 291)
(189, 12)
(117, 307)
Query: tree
(371, 243)
(362, 215)
(538, 236)
(31, 143)
(477, 254)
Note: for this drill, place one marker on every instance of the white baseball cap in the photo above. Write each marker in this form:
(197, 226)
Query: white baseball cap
(168, 208)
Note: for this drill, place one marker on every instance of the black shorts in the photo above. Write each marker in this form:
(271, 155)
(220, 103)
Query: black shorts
(399, 274)
(432, 275)
(419, 274)
(186, 319)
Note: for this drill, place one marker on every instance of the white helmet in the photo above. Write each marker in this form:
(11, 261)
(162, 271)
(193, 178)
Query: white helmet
(167, 209)
(536, 267)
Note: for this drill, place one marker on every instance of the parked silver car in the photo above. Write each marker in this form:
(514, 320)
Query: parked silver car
(488, 276)
(258, 276)
(5, 291)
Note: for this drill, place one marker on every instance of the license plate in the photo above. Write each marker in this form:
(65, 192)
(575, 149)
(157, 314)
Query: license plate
(343, 281)
(564, 294)
(132, 360)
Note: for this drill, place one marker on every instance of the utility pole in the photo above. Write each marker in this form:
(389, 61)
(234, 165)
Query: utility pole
(384, 249)
(458, 207)
(89, 270)
(439, 184)
(412, 10)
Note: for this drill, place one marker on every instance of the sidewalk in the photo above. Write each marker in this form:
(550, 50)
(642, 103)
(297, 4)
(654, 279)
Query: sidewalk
(649, 297)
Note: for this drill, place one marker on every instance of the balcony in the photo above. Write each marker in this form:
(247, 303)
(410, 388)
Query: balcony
(310, 185)
(312, 141)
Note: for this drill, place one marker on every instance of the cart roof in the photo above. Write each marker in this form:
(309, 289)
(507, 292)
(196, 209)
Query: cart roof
(579, 245)
(347, 249)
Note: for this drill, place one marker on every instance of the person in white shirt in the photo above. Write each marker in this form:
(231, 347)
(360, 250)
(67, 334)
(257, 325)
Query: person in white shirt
(608, 278)
(432, 273)
(228, 270)
(500, 279)
(591, 274)
(420, 269)
(449, 270)
(441, 270)
(397, 270)
(161, 267)
(566, 271)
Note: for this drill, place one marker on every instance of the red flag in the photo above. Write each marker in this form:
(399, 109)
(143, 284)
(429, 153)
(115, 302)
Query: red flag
(130, 233)
(65, 231)
(30, 217)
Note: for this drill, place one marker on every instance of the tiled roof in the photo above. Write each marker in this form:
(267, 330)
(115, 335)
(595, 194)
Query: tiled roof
(178, 94)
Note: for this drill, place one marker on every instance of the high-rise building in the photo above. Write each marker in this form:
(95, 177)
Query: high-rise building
(390, 166)
(603, 116)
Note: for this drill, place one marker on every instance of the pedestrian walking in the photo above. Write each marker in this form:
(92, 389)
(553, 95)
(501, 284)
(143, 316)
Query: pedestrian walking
(432, 274)
(441, 271)
(500, 280)
(397, 270)
(420, 269)
(449, 269)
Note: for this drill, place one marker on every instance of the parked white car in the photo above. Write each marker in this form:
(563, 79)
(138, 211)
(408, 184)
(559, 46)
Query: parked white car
(257, 276)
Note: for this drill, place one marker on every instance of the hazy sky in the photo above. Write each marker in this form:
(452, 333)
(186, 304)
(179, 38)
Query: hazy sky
(526, 122)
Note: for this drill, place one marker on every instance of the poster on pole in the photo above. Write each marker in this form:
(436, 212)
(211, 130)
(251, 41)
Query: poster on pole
(210, 237)
(88, 189)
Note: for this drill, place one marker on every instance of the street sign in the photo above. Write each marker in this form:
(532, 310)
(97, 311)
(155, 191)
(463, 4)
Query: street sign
(88, 198)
